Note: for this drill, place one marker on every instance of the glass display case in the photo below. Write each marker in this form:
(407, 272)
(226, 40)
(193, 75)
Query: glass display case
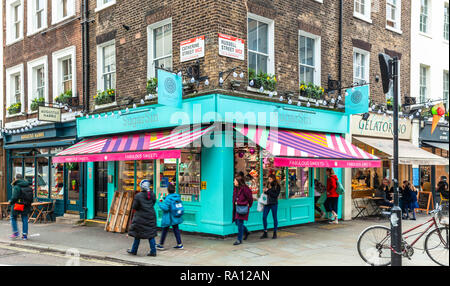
(279, 172)
(166, 174)
(144, 171)
(126, 176)
(298, 182)
(189, 178)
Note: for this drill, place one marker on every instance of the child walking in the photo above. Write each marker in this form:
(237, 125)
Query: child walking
(172, 217)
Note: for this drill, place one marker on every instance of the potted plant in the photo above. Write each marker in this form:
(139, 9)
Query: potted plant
(14, 108)
(152, 86)
(64, 98)
(36, 103)
(389, 104)
(105, 97)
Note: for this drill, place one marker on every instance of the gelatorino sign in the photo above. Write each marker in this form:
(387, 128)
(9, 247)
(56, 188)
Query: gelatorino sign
(380, 126)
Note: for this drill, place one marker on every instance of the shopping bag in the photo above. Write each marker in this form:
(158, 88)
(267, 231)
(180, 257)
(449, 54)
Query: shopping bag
(263, 199)
(260, 207)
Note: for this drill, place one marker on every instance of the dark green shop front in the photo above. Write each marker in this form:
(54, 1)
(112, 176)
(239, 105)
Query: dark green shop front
(30, 153)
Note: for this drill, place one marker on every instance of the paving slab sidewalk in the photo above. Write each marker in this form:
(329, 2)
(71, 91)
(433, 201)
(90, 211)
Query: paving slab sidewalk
(316, 244)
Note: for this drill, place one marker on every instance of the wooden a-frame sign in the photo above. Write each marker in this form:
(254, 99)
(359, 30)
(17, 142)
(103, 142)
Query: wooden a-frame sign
(425, 200)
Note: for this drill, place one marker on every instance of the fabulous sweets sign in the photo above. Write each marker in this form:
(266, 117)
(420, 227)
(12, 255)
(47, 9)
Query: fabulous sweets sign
(380, 126)
(192, 49)
(231, 47)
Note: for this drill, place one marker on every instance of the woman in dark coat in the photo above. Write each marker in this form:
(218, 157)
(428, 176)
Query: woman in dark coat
(273, 191)
(143, 225)
(242, 196)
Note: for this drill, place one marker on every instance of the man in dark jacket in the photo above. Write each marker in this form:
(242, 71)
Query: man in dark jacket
(143, 225)
(20, 186)
(442, 187)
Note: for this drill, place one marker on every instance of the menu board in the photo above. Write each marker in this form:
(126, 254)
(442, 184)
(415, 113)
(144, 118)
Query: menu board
(425, 201)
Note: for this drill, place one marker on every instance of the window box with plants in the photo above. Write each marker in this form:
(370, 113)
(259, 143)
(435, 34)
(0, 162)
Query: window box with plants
(310, 92)
(64, 98)
(36, 103)
(261, 82)
(152, 88)
(105, 98)
(15, 108)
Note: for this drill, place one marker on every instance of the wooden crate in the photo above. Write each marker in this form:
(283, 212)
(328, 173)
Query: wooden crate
(118, 218)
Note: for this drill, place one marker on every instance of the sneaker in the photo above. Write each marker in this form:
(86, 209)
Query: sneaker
(179, 246)
(151, 254)
(14, 235)
(24, 237)
(160, 247)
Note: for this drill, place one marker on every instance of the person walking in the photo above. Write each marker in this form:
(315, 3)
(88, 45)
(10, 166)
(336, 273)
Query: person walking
(331, 204)
(143, 225)
(242, 202)
(273, 191)
(409, 200)
(170, 217)
(21, 200)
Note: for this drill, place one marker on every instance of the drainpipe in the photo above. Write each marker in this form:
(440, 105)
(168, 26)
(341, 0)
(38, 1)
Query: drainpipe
(85, 53)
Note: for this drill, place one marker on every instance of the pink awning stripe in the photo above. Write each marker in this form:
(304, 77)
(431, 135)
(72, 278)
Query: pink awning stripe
(93, 150)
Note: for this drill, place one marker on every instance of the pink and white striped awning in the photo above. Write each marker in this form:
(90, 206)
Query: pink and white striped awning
(293, 148)
(144, 146)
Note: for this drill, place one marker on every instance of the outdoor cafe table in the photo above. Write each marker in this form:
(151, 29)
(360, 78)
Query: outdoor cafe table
(38, 208)
(4, 210)
(373, 201)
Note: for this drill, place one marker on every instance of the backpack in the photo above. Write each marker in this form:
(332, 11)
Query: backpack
(340, 189)
(26, 194)
(177, 208)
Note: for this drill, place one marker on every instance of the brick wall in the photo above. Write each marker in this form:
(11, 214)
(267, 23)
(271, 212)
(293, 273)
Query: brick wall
(206, 17)
(54, 38)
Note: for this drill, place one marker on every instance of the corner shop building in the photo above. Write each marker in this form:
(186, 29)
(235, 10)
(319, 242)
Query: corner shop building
(121, 150)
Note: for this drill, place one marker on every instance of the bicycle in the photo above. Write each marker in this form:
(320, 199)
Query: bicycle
(378, 250)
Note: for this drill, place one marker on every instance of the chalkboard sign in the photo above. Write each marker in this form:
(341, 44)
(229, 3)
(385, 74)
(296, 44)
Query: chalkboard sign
(425, 201)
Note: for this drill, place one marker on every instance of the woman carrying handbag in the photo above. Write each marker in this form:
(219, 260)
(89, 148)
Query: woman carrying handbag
(242, 202)
(273, 191)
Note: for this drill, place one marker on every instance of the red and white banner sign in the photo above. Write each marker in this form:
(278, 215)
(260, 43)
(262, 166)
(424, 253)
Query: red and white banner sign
(192, 49)
(231, 47)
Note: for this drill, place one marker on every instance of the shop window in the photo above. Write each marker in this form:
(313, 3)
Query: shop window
(73, 181)
(298, 183)
(57, 182)
(16, 168)
(189, 177)
(167, 174)
(126, 176)
(279, 172)
(42, 182)
(144, 171)
(30, 172)
(247, 161)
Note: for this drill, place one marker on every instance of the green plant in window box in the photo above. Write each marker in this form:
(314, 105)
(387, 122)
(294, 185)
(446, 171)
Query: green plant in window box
(318, 92)
(36, 103)
(64, 98)
(152, 85)
(105, 97)
(14, 108)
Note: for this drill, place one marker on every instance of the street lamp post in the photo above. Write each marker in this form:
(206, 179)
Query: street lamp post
(389, 75)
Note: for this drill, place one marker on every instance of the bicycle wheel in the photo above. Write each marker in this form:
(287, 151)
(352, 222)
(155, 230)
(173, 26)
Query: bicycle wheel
(374, 245)
(436, 245)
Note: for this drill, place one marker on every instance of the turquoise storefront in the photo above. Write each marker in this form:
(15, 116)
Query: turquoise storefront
(204, 175)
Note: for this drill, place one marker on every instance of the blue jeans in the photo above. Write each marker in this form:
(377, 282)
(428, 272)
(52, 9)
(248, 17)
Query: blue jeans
(24, 224)
(267, 209)
(136, 242)
(176, 231)
(241, 229)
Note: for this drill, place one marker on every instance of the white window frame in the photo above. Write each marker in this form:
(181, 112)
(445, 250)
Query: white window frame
(10, 35)
(427, 82)
(317, 56)
(366, 63)
(31, 80)
(57, 58)
(446, 22)
(101, 6)
(270, 44)
(428, 15)
(398, 16)
(10, 73)
(57, 11)
(100, 47)
(151, 57)
(367, 15)
(32, 19)
(445, 91)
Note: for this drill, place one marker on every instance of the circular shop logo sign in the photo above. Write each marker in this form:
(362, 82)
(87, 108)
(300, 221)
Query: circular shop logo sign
(356, 97)
(170, 85)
